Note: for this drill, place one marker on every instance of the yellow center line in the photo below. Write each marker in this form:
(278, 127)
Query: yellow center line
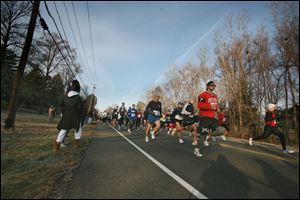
(257, 152)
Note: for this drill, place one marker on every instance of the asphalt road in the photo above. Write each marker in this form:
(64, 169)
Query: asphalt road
(114, 167)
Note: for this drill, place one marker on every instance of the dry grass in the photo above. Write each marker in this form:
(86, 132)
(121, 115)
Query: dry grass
(29, 167)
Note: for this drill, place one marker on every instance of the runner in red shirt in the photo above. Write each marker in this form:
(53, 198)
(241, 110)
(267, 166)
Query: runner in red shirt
(223, 120)
(271, 128)
(208, 111)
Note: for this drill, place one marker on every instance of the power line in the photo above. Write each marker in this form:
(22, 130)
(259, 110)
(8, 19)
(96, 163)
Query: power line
(60, 19)
(45, 27)
(66, 46)
(87, 4)
(65, 33)
(80, 36)
(72, 30)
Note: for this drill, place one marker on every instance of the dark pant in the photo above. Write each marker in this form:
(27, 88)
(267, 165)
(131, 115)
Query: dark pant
(208, 122)
(138, 123)
(268, 130)
(225, 126)
(121, 121)
(131, 123)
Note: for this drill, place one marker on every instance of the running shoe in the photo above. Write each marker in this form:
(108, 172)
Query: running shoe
(146, 139)
(206, 143)
(288, 151)
(197, 153)
(152, 134)
(223, 137)
(250, 141)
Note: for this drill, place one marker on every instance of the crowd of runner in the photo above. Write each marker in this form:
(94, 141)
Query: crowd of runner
(210, 121)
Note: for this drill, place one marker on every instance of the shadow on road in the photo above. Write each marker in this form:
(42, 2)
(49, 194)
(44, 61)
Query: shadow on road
(223, 180)
(283, 190)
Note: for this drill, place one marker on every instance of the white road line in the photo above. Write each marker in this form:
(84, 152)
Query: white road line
(182, 182)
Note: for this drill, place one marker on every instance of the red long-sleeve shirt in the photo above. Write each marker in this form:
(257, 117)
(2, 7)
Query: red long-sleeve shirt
(205, 99)
(270, 118)
(221, 117)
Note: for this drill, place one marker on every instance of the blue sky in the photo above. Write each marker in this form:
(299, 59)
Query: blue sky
(135, 42)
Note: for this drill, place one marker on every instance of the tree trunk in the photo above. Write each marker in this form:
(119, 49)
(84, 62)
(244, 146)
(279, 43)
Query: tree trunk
(295, 121)
(11, 115)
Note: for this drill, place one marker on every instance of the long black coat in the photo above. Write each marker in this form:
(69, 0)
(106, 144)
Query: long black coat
(72, 110)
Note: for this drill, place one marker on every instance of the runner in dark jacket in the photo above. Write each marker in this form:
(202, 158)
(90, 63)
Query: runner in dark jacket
(154, 112)
(176, 117)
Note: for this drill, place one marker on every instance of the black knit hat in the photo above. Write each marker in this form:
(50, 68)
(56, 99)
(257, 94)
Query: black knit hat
(210, 83)
(75, 86)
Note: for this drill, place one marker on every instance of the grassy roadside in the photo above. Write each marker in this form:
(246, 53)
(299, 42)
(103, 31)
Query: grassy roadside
(29, 167)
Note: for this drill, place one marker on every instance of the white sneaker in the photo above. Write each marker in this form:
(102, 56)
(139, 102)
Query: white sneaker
(146, 139)
(181, 141)
(152, 135)
(194, 143)
(213, 139)
(197, 153)
(223, 137)
(169, 132)
(250, 141)
(129, 131)
(288, 151)
(206, 143)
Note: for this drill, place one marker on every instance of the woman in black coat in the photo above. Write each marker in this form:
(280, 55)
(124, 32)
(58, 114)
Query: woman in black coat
(72, 110)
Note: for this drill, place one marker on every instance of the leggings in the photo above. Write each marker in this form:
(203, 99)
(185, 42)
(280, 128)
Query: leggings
(268, 130)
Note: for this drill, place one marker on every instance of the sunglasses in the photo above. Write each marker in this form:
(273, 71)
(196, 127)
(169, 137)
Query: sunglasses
(212, 85)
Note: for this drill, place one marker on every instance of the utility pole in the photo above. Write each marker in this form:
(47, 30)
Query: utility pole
(11, 115)
(94, 87)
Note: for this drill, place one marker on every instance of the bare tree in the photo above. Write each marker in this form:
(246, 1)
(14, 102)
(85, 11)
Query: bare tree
(141, 105)
(286, 20)
(49, 55)
(173, 87)
(205, 71)
(14, 23)
(233, 63)
(11, 115)
(264, 78)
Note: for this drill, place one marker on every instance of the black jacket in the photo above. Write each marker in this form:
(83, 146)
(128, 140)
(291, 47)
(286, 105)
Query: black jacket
(154, 107)
(176, 114)
(72, 110)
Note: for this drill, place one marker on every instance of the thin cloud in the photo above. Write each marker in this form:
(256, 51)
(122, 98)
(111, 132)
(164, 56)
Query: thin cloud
(187, 52)
(181, 58)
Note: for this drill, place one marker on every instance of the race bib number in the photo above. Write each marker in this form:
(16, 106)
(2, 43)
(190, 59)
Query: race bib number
(178, 117)
(156, 113)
